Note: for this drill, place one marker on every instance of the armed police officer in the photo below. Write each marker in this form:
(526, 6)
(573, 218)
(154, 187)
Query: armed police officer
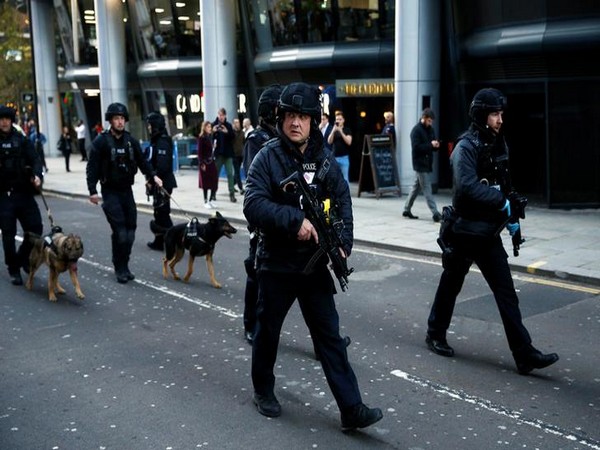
(482, 189)
(160, 155)
(287, 243)
(114, 160)
(267, 121)
(20, 177)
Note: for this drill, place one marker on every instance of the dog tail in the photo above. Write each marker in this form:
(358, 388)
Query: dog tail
(156, 228)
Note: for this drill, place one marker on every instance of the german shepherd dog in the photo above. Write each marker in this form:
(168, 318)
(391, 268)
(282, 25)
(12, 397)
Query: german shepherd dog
(199, 239)
(60, 252)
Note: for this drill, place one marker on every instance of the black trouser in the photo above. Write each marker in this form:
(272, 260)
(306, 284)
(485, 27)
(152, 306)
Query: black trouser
(82, 149)
(251, 292)
(162, 214)
(237, 175)
(491, 258)
(24, 208)
(277, 293)
(121, 213)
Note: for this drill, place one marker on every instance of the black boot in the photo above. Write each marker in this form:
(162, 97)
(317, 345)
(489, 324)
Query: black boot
(533, 359)
(360, 416)
(15, 277)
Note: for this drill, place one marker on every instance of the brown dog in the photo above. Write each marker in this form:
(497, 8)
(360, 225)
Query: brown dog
(199, 239)
(61, 254)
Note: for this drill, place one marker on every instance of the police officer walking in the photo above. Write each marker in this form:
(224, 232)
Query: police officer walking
(287, 243)
(20, 177)
(160, 155)
(114, 159)
(267, 121)
(482, 188)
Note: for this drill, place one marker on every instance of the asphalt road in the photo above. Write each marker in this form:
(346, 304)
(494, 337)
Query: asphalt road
(159, 364)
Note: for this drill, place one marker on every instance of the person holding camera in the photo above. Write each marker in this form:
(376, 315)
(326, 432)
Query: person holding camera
(340, 139)
(223, 136)
(481, 201)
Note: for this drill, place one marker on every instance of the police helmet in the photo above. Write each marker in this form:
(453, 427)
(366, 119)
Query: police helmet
(6, 112)
(301, 98)
(156, 121)
(267, 103)
(486, 101)
(116, 109)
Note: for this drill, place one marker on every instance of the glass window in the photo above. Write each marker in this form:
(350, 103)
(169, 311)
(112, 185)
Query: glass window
(293, 22)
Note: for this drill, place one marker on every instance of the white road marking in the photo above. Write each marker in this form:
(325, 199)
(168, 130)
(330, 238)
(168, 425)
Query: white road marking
(529, 279)
(166, 290)
(498, 409)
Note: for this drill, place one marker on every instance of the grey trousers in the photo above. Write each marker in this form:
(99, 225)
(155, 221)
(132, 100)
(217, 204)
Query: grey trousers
(422, 184)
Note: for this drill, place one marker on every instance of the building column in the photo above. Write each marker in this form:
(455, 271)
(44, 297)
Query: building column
(417, 76)
(219, 69)
(46, 84)
(111, 52)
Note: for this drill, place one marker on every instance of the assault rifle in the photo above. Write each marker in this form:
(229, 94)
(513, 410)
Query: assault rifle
(517, 207)
(330, 242)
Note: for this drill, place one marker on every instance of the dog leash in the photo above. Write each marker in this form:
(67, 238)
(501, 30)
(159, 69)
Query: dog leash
(164, 192)
(50, 218)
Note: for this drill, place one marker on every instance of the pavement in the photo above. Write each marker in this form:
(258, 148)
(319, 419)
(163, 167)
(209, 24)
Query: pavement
(560, 244)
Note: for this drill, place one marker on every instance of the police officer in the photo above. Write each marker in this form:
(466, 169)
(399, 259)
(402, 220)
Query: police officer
(481, 201)
(287, 243)
(114, 160)
(160, 155)
(20, 177)
(267, 116)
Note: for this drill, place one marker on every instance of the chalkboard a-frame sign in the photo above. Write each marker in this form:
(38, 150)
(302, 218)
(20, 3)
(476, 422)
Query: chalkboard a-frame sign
(381, 153)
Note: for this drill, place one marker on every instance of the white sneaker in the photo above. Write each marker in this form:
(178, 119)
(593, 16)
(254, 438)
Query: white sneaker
(207, 205)
(213, 204)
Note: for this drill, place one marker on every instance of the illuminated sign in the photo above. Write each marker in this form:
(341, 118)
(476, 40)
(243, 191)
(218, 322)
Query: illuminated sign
(378, 87)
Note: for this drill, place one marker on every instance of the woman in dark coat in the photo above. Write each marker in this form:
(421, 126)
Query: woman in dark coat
(65, 146)
(207, 169)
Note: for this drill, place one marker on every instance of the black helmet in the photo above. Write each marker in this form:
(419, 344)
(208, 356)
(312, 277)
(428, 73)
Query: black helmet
(7, 112)
(116, 109)
(156, 121)
(301, 98)
(484, 102)
(267, 103)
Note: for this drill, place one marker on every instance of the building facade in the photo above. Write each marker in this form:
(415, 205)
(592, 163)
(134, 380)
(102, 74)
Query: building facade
(187, 58)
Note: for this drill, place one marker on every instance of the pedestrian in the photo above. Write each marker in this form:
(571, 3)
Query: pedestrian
(238, 154)
(80, 130)
(223, 136)
(340, 140)
(266, 130)
(326, 128)
(114, 159)
(65, 145)
(389, 127)
(20, 178)
(39, 140)
(160, 155)
(423, 143)
(288, 241)
(481, 202)
(208, 177)
(247, 127)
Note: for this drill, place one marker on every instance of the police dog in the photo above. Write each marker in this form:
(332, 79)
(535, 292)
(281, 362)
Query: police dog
(60, 252)
(199, 239)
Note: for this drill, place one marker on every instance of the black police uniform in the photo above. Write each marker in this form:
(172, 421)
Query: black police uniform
(19, 163)
(254, 142)
(161, 158)
(281, 259)
(481, 188)
(114, 161)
